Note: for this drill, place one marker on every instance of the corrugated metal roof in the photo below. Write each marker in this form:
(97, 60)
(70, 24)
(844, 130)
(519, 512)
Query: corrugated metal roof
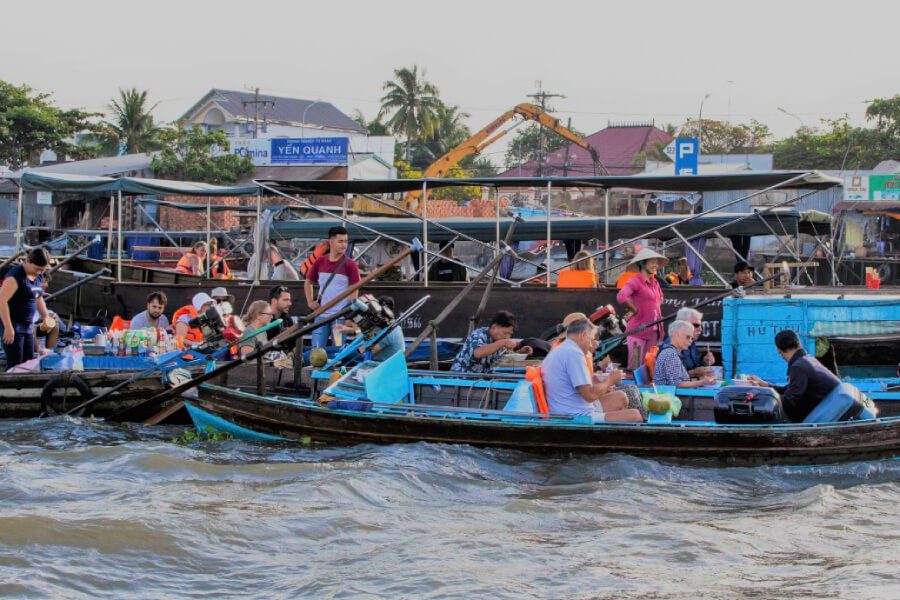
(109, 165)
(616, 146)
(287, 110)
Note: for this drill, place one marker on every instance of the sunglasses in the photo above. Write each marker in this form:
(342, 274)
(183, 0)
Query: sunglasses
(697, 325)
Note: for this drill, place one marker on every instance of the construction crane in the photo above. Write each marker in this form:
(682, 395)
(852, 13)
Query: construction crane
(487, 136)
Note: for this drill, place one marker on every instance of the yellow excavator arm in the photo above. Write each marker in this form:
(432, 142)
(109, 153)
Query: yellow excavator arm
(488, 135)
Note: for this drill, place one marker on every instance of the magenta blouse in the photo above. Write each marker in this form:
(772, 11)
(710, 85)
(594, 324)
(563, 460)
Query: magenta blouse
(647, 297)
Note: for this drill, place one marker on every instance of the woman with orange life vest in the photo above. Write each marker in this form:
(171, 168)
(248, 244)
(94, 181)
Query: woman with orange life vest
(682, 273)
(220, 268)
(192, 261)
(182, 317)
(582, 274)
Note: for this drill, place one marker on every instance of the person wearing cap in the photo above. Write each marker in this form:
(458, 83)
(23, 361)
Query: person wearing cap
(642, 298)
(743, 274)
(183, 316)
(221, 297)
(153, 316)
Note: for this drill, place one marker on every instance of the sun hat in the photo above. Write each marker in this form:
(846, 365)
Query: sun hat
(200, 299)
(221, 292)
(647, 254)
(572, 317)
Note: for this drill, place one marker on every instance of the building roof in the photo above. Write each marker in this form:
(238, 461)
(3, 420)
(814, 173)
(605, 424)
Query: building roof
(616, 146)
(286, 110)
(109, 165)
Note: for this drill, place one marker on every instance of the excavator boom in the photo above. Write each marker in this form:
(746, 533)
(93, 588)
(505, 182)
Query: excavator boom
(487, 136)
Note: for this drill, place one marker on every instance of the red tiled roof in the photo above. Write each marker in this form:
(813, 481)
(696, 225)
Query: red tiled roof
(617, 147)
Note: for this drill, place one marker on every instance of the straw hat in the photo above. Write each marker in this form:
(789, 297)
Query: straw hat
(646, 254)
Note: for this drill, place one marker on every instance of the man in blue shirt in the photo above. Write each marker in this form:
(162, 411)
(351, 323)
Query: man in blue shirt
(487, 345)
(568, 384)
(808, 379)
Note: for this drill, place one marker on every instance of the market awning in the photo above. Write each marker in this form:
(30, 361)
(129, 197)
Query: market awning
(58, 182)
(202, 207)
(583, 228)
(661, 183)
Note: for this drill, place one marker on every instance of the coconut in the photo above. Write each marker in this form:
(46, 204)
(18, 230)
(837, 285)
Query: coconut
(318, 357)
(659, 405)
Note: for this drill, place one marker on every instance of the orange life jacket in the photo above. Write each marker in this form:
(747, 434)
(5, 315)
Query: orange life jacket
(623, 278)
(572, 278)
(533, 375)
(320, 251)
(184, 265)
(220, 269)
(193, 334)
(650, 359)
(119, 324)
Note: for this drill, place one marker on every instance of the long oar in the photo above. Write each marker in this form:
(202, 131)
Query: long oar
(77, 284)
(610, 344)
(70, 257)
(278, 342)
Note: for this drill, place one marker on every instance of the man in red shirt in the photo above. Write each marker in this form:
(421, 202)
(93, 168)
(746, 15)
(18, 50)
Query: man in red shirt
(333, 273)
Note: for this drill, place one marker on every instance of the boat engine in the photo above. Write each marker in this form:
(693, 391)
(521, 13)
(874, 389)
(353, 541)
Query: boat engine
(370, 315)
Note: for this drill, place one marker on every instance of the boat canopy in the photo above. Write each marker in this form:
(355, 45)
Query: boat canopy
(782, 221)
(58, 182)
(660, 183)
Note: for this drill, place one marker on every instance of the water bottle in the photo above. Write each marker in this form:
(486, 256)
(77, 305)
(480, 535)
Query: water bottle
(77, 357)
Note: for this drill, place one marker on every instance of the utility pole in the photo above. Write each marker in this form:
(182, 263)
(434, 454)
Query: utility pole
(540, 98)
(566, 161)
(256, 102)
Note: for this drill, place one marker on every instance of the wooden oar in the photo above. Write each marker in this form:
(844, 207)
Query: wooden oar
(69, 258)
(77, 284)
(278, 342)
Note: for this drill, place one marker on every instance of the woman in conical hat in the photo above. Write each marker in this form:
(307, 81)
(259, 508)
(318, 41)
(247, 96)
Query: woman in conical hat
(642, 298)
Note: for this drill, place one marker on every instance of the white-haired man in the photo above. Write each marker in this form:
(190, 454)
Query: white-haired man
(670, 369)
(568, 384)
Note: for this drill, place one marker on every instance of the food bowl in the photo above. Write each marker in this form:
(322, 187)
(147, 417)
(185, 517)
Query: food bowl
(516, 356)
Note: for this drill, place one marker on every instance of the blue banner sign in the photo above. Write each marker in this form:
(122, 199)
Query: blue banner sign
(687, 151)
(309, 151)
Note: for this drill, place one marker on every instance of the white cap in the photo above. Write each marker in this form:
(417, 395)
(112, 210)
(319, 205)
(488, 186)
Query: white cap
(200, 299)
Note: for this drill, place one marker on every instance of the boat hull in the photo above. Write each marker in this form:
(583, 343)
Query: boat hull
(738, 445)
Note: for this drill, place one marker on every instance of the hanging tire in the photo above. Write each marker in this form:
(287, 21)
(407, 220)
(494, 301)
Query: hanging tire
(885, 272)
(51, 405)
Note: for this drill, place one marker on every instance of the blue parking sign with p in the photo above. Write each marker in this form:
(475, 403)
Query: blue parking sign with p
(687, 152)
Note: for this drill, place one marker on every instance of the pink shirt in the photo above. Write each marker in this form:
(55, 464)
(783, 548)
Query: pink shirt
(647, 298)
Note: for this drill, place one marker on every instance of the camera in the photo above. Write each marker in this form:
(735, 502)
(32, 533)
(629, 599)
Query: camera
(370, 315)
(212, 325)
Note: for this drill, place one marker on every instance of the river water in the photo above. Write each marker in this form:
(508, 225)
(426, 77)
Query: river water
(90, 510)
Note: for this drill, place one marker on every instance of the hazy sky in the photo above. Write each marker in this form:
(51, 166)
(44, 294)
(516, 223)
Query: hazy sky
(613, 60)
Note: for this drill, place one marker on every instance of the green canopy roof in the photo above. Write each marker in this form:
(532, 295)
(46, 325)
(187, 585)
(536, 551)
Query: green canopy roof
(58, 182)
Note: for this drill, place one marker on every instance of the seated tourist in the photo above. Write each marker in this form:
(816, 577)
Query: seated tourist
(670, 369)
(487, 345)
(153, 316)
(259, 314)
(568, 384)
(808, 379)
(682, 273)
(696, 365)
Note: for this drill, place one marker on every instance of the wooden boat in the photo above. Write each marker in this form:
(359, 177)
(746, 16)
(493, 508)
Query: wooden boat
(29, 395)
(399, 413)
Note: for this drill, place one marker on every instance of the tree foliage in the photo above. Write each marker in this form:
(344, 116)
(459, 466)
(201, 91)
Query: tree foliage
(30, 124)
(132, 127)
(411, 104)
(524, 146)
(722, 137)
(373, 127)
(188, 155)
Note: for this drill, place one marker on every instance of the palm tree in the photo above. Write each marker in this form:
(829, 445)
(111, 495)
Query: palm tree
(413, 104)
(132, 126)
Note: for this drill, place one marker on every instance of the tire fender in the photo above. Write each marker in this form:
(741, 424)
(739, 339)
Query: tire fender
(64, 381)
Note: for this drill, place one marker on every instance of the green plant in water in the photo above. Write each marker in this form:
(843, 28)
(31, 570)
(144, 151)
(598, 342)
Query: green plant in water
(192, 436)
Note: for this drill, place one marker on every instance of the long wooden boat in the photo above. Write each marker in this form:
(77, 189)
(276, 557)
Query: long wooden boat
(29, 395)
(247, 415)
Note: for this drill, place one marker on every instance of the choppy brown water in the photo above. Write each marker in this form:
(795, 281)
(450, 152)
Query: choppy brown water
(89, 510)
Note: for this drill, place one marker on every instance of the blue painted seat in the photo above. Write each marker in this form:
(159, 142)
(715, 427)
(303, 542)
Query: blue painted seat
(522, 399)
(642, 376)
(388, 383)
(844, 403)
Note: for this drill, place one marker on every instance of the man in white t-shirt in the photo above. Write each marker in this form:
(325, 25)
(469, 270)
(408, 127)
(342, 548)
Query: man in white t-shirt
(568, 384)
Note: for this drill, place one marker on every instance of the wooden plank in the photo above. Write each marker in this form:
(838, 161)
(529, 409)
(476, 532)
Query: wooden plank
(165, 413)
